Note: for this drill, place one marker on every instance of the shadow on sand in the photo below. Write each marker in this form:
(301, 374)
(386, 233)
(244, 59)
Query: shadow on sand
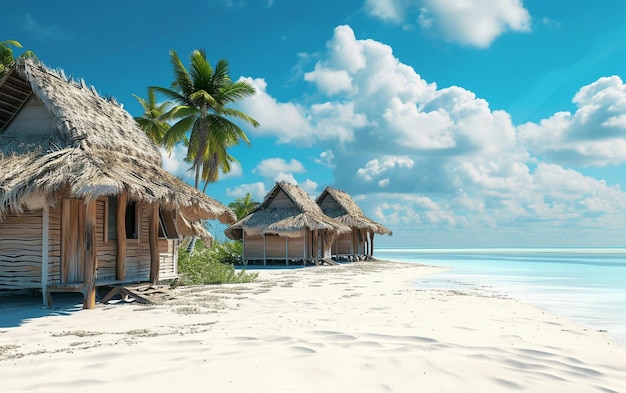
(16, 309)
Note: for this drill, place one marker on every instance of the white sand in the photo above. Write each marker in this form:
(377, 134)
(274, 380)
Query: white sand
(353, 328)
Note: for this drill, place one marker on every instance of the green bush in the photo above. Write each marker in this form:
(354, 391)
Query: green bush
(212, 265)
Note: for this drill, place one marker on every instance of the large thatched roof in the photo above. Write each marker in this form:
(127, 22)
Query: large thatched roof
(339, 205)
(95, 149)
(292, 216)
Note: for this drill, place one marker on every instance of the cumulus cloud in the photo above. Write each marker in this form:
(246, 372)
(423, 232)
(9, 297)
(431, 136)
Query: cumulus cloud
(440, 159)
(595, 135)
(377, 168)
(256, 190)
(174, 162)
(310, 187)
(326, 158)
(272, 167)
(284, 120)
(472, 22)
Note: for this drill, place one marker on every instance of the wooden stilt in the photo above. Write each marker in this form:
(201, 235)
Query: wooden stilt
(44, 256)
(91, 259)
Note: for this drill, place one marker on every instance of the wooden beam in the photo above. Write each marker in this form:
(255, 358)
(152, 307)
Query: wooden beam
(120, 229)
(91, 258)
(153, 239)
(44, 255)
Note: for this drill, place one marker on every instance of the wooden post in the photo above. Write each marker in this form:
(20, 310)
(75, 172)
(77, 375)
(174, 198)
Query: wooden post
(315, 246)
(91, 257)
(44, 255)
(371, 244)
(153, 234)
(264, 252)
(286, 250)
(304, 256)
(355, 244)
(120, 230)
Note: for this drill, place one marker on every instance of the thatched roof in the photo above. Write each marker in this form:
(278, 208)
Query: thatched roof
(95, 149)
(291, 217)
(339, 205)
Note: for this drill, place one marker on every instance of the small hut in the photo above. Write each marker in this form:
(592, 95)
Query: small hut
(84, 201)
(359, 242)
(288, 227)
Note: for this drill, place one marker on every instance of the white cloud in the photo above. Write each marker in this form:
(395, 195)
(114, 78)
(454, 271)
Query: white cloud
(471, 22)
(326, 158)
(286, 177)
(271, 167)
(595, 135)
(287, 121)
(256, 190)
(174, 162)
(376, 168)
(387, 10)
(235, 171)
(310, 187)
(330, 81)
(441, 160)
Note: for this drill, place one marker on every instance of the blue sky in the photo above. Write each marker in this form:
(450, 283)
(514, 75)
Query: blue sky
(469, 123)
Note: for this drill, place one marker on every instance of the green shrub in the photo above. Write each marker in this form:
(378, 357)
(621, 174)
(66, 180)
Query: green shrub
(212, 265)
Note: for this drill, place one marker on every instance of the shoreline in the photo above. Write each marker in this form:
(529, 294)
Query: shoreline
(581, 284)
(359, 326)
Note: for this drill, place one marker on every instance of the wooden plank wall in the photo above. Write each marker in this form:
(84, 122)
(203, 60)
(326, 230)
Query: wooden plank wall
(54, 245)
(253, 247)
(107, 248)
(275, 247)
(296, 247)
(344, 245)
(167, 268)
(21, 244)
(20, 251)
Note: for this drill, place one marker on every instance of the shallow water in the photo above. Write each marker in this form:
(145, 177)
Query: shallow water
(587, 285)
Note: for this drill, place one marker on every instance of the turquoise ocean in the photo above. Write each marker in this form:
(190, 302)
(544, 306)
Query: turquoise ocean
(586, 285)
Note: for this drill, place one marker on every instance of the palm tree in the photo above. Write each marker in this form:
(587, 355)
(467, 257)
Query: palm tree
(201, 95)
(243, 206)
(6, 55)
(154, 119)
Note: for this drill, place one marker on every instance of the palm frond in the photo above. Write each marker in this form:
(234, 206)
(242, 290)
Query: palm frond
(182, 82)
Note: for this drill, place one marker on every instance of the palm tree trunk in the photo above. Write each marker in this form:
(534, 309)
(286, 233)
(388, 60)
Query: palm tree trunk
(192, 244)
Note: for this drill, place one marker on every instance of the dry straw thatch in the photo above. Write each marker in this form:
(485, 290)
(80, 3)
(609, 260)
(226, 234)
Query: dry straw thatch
(346, 211)
(295, 220)
(96, 149)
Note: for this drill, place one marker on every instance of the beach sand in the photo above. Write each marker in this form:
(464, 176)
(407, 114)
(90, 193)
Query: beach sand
(361, 327)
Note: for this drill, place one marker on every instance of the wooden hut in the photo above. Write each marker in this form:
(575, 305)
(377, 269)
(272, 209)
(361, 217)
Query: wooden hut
(84, 200)
(288, 227)
(359, 242)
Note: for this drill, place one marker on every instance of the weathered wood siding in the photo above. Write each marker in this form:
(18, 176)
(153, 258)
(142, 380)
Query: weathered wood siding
(167, 256)
(275, 247)
(20, 251)
(253, 247)
(54, 245)
(343, 245)
(21, 240)
(296, 248)
(106, 248)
